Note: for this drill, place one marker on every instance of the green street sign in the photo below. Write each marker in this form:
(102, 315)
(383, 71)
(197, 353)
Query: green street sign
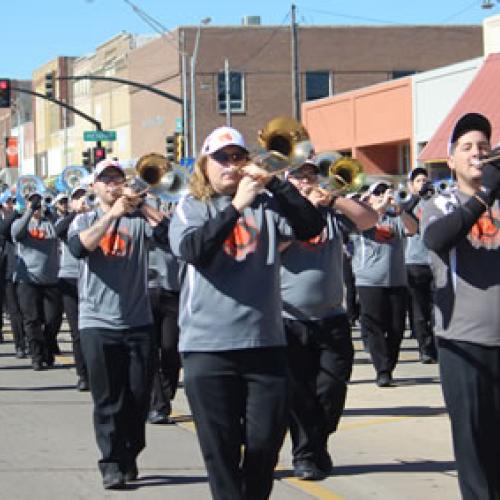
(99, 135)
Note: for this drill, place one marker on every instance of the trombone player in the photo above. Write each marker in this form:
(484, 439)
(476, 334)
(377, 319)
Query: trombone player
(232, 343)
(318, 331)
(114, 316)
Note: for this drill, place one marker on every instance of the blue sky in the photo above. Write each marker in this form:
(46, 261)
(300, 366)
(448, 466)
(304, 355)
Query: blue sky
(35, 31)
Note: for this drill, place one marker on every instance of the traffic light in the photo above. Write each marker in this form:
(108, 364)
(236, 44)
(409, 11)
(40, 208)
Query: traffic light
(98, 154)
(86, 160)
(179, 147)
(4, 93)
(49, 85)
(170, 147)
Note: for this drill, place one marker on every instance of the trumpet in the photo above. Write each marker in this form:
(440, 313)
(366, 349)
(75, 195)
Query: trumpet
(402, 195)
(286, 144)
(443, 186)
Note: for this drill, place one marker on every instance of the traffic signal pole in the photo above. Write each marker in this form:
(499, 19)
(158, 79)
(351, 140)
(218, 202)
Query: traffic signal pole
(139, 85)
(95, 122)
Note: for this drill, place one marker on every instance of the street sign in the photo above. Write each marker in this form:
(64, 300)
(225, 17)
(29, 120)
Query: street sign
(99, 135)
(178, 125)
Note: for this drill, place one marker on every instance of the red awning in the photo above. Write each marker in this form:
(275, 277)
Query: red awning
(481, 96)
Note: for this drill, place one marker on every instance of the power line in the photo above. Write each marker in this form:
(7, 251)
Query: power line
(347, 16)
(465, 9)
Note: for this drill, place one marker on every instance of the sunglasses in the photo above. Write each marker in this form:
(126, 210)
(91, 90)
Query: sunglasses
(223, 157)
(108, 179)
(380, 190)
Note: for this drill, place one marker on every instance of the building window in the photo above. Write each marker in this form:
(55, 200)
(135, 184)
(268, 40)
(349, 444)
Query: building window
(318, 85)
(400, 73)
(236, 92)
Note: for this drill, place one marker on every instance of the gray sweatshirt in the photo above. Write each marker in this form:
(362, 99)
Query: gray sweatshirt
(37, 250)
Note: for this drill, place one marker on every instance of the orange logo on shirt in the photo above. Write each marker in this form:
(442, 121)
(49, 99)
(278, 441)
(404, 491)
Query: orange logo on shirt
(383, 233)
(243, 239)
(316, 241)
(116, 243)
(484, 233)
(37, 234)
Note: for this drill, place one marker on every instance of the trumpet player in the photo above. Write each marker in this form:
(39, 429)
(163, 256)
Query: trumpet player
(380, 275)
(68, 277)
(36, 277)
(417, 260)
(232, 343)
(318, 331)
(114, 316)
(461, 230)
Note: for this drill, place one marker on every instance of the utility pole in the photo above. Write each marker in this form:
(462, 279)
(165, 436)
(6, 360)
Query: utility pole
(227, 84)
(185, 106)
(295, 66)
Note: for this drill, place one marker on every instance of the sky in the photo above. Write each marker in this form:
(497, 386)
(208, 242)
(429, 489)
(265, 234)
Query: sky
(34, 32)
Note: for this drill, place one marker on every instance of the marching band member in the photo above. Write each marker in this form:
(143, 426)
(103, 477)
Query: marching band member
(8, 216)
(232, 342)
(379, 269)
(320, 351)
(36, 276)
(68, 277)
(461, 229)
(163, 287)
(114, 316)
(418, 270)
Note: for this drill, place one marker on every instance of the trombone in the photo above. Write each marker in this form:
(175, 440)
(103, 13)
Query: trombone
(339, 173)
(285, 144)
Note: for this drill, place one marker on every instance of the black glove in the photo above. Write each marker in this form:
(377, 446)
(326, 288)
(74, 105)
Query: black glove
(427, 190)
(35, 202)
(490, 181)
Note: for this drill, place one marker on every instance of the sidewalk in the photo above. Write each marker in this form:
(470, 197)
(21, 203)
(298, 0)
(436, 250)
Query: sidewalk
(393, 443)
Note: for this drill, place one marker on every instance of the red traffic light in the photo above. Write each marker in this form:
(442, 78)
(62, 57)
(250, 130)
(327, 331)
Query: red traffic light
(4, 93)
(99, 154)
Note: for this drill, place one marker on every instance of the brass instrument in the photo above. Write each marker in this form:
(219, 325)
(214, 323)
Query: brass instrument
(70, 178)
(402, 195)
(339, 173)
(27, 185)
(286, 144)
(443, 186)
(165, 180)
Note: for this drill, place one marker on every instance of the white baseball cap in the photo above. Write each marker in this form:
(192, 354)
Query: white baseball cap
(105, 164)
(222, 137)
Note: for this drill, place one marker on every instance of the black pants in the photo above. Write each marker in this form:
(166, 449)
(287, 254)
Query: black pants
(16, 319)
(470, 377)
(41, 310)
(320, 357)
(69, 294)
(383, 320)
(166, 360)
(351, 296)
(420, 297)
(239, 398)
(119, 364)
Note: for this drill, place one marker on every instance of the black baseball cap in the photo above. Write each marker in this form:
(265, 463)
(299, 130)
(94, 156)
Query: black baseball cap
(468, 122)
(417, 171)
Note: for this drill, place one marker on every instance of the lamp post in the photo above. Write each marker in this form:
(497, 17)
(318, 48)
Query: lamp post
(194, 57)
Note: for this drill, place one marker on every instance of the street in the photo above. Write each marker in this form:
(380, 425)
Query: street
(393, 443)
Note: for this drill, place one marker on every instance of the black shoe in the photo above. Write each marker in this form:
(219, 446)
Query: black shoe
(427, 359)
(384, 380)
(156, 417)
(307, 470)
(20, 353)
(131, 473)
(37, 366)
(113, 481)
(82, 385)
(324, 462)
